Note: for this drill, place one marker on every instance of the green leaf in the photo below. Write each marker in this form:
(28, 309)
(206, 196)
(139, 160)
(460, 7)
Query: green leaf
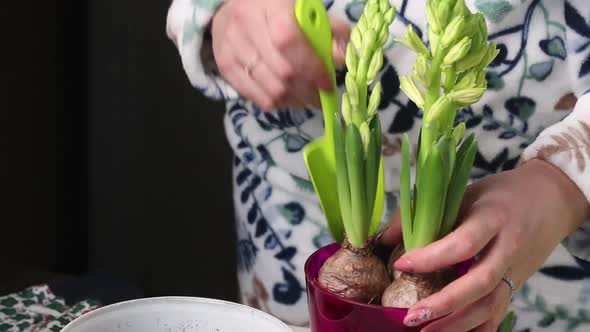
(458, 133)
(429, 207)
(354, 159)
(371, 172)
(446, 146)
(342, 175)
(375, 125)
(507, 323)
(458, 183)
(405, 196)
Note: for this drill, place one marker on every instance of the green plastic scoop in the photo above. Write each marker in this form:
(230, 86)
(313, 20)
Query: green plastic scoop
(319, 155)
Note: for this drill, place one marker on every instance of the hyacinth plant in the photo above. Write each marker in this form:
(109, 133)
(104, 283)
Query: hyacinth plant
(355, 272)
(358, 138)
(447, 76)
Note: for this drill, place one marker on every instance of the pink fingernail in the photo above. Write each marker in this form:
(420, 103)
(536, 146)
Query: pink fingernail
(404, 264)
(418, 317)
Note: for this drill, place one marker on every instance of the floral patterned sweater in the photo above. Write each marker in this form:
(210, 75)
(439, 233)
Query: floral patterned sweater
(537, 106)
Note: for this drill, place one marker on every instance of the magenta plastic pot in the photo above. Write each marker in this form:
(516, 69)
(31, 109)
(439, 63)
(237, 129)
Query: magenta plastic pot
(331, 313)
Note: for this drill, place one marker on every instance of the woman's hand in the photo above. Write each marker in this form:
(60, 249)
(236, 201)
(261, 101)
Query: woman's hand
(261, 51)
(513, 220)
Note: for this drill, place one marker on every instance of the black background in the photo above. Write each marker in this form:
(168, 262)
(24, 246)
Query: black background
(110, 161)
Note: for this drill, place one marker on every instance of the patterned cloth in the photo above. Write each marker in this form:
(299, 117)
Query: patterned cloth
(537, 104)
(37, 309)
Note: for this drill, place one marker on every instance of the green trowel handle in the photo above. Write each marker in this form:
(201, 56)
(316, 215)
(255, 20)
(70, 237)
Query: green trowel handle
(315, 24)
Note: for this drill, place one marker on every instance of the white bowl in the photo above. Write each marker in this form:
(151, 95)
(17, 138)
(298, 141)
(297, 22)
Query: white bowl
(176, 314)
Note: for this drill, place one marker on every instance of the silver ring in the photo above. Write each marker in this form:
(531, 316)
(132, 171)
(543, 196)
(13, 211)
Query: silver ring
(510, 284)
(251, 65)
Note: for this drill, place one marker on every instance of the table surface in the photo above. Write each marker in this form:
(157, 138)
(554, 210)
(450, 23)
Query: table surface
(299, 329)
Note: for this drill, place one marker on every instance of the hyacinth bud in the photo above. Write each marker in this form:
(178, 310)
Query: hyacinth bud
(458, 51)
(368, 45)
(413, 92)
(481, 79)
(373, 2)
(389, 15)
(365, 136)
(421, 70)
(437, 110)
(482, 27)
(346, 109)
(383, 35)
(472, 59)
(458, 133)
(443, 12)
(384, 6)
(352, 89)
(468, 80)
(375, 65)
(432, 18)
(374, 101)
(351, 60)
(362, 24)
(491, 54)
(356, 38)
(414, 42)
(371, 9)
(477, 40)
(460, 9)
(466, 97)
(453, 31)
(377, 22)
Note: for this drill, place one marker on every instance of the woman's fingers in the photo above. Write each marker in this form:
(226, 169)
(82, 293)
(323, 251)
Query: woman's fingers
(479, 281)
(259, 37)
(340, 36)
(485, 314)
(305, 93)
(289, 40)
(252, 76)
(479, 227)
(392, 235)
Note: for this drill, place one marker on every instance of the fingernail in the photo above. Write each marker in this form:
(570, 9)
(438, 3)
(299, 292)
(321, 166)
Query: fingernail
(404, 264)
(418, 317)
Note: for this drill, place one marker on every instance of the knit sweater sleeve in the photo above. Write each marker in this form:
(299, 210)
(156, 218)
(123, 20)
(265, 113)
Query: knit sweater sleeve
(566, 144)
(188, 27)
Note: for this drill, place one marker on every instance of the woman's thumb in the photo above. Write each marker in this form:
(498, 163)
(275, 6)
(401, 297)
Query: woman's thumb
(340, 37)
